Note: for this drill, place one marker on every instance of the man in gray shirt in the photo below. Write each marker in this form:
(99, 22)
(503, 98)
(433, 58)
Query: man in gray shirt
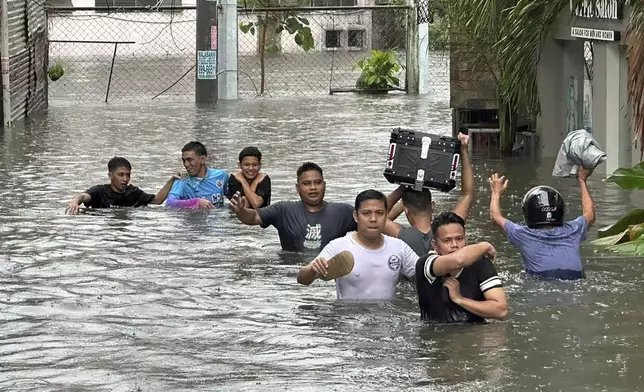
(310, 223)
(418, 207)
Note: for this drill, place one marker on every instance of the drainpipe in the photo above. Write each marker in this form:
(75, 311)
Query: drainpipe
(4, 52)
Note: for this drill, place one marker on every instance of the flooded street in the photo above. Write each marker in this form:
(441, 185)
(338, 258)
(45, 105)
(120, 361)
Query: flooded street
(161, 300)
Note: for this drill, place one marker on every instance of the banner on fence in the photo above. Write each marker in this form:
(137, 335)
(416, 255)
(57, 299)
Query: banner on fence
(206, 64)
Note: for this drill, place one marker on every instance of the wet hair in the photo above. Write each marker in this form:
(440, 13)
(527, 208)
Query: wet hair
(308, 166)
(417, 201)
(446, 218)
(196, 147)
(117, 162)
(250, 152)
(370, 194)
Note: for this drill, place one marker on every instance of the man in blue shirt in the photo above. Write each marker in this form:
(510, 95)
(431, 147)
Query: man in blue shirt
(203, 187)
(549, 246)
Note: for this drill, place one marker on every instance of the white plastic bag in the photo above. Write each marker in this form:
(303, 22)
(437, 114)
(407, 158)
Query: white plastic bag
(579, 149)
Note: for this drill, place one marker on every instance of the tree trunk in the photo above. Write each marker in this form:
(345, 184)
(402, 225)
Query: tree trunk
(262, 53)
(507, 127)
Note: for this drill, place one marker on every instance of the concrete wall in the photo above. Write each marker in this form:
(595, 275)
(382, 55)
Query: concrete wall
(561, 79)
(27, 57)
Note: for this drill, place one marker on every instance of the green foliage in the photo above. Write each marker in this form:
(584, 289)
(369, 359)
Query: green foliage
(379, 71)
(625, 235)
(56, 71)
(629, 178)
(293, 24)
(438, 34)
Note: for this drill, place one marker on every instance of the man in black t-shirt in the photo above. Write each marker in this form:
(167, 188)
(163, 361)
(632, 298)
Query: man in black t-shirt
(458, 282)
(119, 192)
(254, 185)
(306, 224)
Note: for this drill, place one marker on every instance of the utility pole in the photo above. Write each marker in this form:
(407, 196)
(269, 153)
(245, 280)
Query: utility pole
(228, 50)
(206, 75)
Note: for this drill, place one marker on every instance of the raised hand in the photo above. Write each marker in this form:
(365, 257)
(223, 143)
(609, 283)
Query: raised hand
(498, 184)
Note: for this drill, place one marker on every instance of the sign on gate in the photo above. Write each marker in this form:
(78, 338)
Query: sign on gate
(206, 64)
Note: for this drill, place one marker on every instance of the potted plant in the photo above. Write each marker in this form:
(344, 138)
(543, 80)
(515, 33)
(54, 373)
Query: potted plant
(379, 72)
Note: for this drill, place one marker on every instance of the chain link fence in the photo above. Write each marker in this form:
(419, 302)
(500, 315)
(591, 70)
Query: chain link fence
(340, 39)
(122, 56)
(140, 55)
(438, 74)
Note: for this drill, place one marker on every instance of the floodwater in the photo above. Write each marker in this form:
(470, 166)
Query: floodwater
(158, 300)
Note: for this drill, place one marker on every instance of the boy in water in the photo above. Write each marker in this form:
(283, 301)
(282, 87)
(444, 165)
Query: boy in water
(119, 192)
(548, 245)
(249, 181)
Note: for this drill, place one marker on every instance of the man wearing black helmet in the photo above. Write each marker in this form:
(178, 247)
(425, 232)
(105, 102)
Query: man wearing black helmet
(549, 245)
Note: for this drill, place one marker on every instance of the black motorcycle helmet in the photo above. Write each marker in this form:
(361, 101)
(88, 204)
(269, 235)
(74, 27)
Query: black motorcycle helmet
(543, 206)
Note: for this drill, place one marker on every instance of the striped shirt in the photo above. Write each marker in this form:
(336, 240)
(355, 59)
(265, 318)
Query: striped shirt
(433, 297)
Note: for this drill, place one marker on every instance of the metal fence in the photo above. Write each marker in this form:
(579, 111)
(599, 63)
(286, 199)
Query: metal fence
(143, 54)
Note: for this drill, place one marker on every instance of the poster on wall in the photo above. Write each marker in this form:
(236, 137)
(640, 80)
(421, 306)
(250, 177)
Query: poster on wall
(206, 64)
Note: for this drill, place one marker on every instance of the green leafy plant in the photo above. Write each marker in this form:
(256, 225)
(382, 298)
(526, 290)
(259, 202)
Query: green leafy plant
(625, 235)
(56, 71)
(379, 71)
(438, 34)
(276, 23)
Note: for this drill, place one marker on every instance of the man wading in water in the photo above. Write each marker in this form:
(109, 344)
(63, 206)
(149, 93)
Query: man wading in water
(119, 192)
(379, 260)
(204, 187)
(458, 282)
(306, 224)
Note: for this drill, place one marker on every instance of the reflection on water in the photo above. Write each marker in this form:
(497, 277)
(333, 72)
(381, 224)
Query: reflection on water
(164, 300)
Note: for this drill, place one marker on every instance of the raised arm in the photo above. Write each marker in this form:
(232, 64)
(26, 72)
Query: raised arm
(464, 203)
(392, 199)
(74, 204)
(587, 204)
(244, 214)
(395, 211)
(498, 185)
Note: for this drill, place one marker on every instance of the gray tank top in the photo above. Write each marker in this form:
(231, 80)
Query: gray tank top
(418, 241)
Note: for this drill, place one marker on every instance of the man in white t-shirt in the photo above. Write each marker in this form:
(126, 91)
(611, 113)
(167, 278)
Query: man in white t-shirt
(379, 260)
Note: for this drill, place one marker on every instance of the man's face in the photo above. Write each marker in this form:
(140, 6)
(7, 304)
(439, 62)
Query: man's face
(192, 162)
(371, 218)
(119, 178)
(250, 167)
(311, 187)
(449, 238)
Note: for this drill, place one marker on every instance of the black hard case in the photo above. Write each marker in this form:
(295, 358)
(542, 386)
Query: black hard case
(422, 160)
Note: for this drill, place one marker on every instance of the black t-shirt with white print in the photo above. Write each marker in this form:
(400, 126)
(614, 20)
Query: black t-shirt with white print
(433, 297)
